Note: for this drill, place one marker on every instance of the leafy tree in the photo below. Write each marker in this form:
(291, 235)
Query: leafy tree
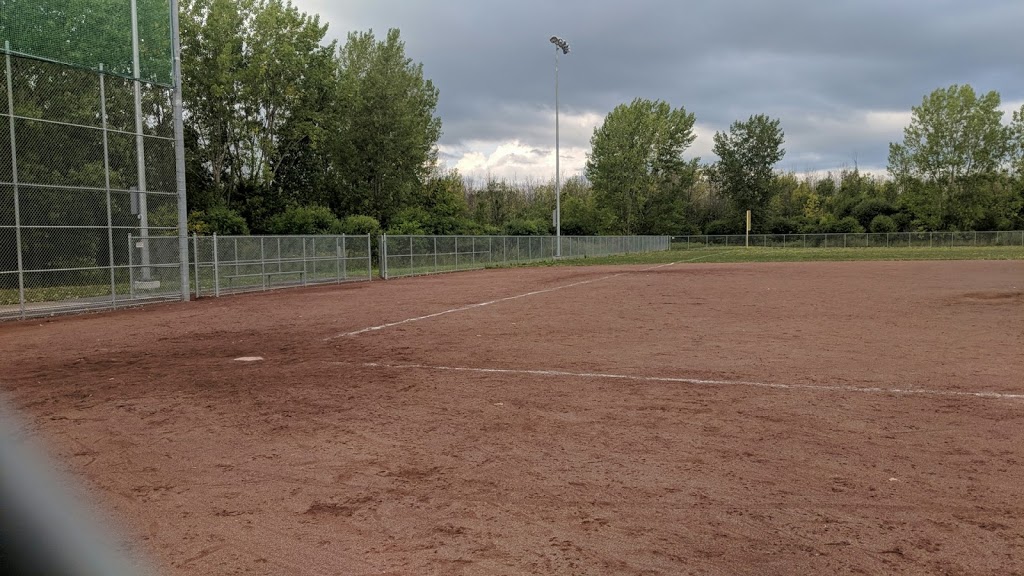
(254, 76)
(747, 156)
(637, 168)
(953, 148)
(385, 146)
(953, 135)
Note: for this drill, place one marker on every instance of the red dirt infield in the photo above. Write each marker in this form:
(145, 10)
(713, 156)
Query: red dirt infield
(811, 418)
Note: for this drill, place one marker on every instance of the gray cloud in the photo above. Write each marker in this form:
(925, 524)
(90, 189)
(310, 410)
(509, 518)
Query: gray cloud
(826, 69)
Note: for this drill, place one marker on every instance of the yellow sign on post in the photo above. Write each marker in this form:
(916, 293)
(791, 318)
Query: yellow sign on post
(748, 228)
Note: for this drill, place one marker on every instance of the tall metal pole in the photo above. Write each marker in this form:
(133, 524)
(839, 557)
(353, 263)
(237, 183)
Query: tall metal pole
(14, 181)
(140, 150)
(106, 183)
(179, 151)
(564, 47)
(558, 175)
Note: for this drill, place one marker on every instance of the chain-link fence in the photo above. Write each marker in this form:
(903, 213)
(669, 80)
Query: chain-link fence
(416, 255)
(232, 264)
(867, 240)
(89, 187)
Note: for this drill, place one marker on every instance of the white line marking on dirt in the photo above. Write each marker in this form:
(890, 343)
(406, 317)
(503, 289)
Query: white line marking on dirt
(469, 307)
(700, 382)
(249, 359)
(499, 300)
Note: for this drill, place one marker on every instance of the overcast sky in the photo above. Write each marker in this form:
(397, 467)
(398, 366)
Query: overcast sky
(841, 75)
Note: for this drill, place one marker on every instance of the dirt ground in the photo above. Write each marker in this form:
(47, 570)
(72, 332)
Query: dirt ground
(811, 418)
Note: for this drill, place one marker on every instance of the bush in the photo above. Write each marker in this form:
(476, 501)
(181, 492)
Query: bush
(830, 225)
(725, 226)
(527, 228)
(359, 225)
(217, 220)
(304, 220)
(883, 224)
(786, 225)
(867, 210)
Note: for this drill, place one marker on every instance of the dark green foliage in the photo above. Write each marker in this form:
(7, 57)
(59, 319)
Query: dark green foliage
(217, 220)
(748, 153)
(360, 225)
(868, 209)
(831, 225)
(527, 228)
(729, 226)
(882, 223)
(298, 220)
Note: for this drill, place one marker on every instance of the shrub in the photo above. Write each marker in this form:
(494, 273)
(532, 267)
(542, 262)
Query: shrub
(725, 226)
(304, 220)
(883, 224)
(786, 225)
(527, 228)
(358, 225)
(217, 220)
(866, 211)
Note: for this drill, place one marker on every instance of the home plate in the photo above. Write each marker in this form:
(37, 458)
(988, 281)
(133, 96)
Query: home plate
(249, 359)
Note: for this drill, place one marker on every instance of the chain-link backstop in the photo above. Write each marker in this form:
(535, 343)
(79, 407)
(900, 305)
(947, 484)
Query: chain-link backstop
(90, 215)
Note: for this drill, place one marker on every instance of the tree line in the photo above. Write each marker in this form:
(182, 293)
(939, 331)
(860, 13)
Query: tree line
(288, 133)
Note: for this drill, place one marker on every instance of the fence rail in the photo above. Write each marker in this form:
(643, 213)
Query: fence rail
(232, 264)
(88, 188)
(865, 240)
(418, 255)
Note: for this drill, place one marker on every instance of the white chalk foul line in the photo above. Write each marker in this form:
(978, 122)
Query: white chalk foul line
(469, 307)
(499, 300)
(700, 382)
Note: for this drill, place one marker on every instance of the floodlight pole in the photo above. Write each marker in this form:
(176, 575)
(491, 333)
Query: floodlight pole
(179, 154)
(560, 46)
(140, 150)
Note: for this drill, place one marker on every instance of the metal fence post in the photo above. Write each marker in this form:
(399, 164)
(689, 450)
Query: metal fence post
(216, 268)
(304, 278)
(930, 236)
(131, 267)
(106, 185)
(236, 255)
(195, 259)
(435, 254)
(338, 259)
(369, 257)
(456, 252)
(412, 265)
(384, 256)
(14, 182)
(263, 264)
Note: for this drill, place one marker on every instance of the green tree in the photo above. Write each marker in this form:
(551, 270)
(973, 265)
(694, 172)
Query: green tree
(636, 165)
(255, 75)
(952, 150)
(385, 146)
(747, 154)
